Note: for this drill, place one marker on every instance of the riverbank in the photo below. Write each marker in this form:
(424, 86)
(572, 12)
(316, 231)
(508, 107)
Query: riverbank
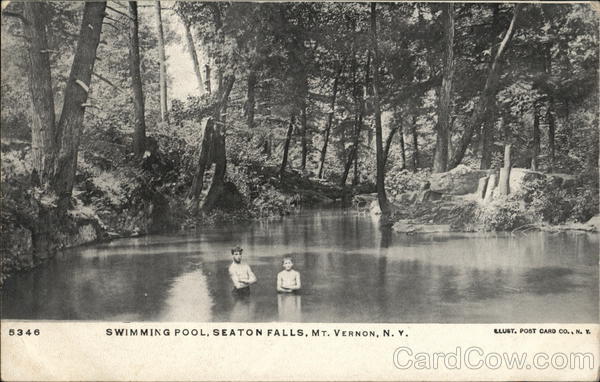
(117, 195)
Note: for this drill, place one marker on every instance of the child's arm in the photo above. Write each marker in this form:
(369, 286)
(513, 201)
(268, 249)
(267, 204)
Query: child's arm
(251, 276)
(298, 283)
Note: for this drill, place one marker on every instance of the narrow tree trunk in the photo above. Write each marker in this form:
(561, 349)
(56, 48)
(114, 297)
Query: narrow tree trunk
(535, 145)
(139, 132)
(488, 94)
(76, 95)
(551, 135)
(381, 196)
(487, 129)
(402, 148)
(250, 101)
(440, 160)
(207, 84)
(487, 139)
(304, 123)
(388, 143)
(164, 111)
(329, 121)
(503, 181)
(44, 142)
(415, 157)
(194, 56)
(286, 148)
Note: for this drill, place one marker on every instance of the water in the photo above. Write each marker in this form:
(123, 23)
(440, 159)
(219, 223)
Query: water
(351, 272)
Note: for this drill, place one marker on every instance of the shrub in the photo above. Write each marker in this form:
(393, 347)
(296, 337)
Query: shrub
(504, 214)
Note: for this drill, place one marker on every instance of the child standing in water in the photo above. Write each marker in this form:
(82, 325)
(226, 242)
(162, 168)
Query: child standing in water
(288, 280)
(240, 273)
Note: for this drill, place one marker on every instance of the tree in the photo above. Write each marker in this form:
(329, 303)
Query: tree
(163, 63)
(44, 140)
(440, 161)
(139, 132)
(488, 94)
(192, 49)
(381, 196)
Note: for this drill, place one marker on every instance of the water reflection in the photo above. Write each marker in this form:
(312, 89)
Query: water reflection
(352, 271)
(289, 307)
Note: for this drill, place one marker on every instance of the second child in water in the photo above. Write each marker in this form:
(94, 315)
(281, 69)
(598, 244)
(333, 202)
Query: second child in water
(288, 280)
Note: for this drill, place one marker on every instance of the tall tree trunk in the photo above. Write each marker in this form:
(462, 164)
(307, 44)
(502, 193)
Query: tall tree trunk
(219, 156)
(503, 181)
(139, 132)
(164, 111)
(329, 121)
(250, 101)
(487, 139)
(402, 148)
(415, 142)
(440, 160)
(76, 95)
(194, 56)
(551, 135)
(381, 196)
(388, 142)
(304, 123)
(535, 145)
(488, 94)
(487, 129)
(44, 141)
(207, 84)
(286, 148)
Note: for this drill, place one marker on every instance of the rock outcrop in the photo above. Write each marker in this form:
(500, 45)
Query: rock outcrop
(458, 181)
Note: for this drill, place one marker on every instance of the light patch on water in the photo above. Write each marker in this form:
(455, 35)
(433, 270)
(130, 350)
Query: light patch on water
(188, 299)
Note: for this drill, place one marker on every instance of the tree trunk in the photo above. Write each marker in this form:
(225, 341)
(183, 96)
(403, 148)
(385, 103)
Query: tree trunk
(329, 121)
(551, 134)
(192, 49)
(304, 123)
(388, 142)
(250, 102)
(402, 148)
(487, 130)
(381, 196)
(535, 146)
(488, 94)
(207, 84)
(415, 157)
(487, 139)
(44, 141)
(139, 132)
(76, 95)
(440, 160)
(286, 148)
(503, 181)
(218, 152)
(164, 111)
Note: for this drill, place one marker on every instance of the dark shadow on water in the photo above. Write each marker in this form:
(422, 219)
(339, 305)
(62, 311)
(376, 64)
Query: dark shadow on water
(549, 280)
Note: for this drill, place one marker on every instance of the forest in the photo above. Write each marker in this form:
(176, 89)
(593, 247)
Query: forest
(292, 104)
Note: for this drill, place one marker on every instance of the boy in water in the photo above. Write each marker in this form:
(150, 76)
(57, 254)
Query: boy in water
(240, 273)
(288, 280)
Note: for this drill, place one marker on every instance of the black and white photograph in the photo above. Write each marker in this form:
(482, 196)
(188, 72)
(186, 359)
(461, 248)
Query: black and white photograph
(300, 162)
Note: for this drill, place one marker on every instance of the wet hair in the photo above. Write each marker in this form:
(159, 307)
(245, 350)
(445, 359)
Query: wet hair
(235, 249)
(287, 257)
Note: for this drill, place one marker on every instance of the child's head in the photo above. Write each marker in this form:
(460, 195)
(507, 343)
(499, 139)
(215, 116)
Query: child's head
(287, 263)
(236, 253)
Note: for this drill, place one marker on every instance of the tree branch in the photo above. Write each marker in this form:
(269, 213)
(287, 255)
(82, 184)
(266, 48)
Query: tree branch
(107, 81)
(119, 12)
